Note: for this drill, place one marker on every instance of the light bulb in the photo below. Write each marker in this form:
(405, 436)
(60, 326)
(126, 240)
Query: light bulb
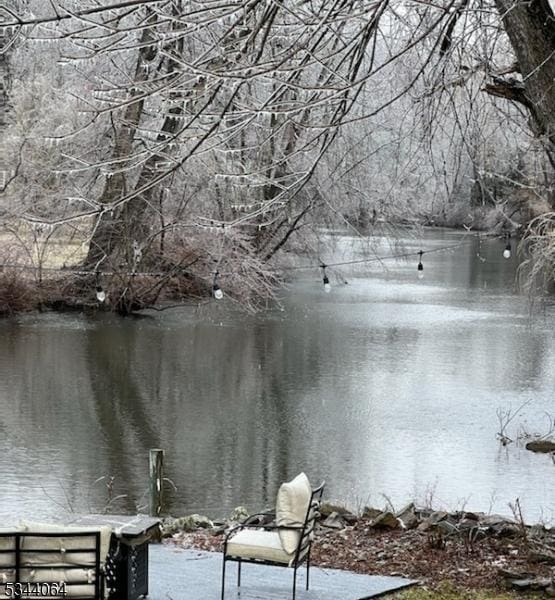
(327, 286)
(100, 294)
(420, 267)
(507, 252)
(217, 292)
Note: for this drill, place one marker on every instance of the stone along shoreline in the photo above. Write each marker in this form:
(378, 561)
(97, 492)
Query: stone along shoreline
(469, 550)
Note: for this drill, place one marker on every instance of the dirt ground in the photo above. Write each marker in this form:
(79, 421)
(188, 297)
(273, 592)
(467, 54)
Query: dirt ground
(481, 565)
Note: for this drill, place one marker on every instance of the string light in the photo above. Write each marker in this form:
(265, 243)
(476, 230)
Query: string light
(420, 265)
(100, 294)
(216, 289)
(379, 259)
(507, 251)
(217, 292)
(325, 280)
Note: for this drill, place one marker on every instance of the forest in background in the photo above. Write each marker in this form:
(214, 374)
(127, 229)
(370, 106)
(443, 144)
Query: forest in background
(149, 144)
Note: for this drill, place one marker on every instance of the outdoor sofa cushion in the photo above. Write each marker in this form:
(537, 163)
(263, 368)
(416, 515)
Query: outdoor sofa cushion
(7, 558)
(292, 504)
(80, 581)
(66, 543)
(260, 545)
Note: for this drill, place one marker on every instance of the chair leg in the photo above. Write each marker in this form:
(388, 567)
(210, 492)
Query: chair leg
(294, 583)
(308, 570)
(223, 580)
(239, 574)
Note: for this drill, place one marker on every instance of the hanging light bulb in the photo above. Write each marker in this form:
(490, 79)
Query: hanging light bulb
(326, 281)
(100, 293)
(507, 251)
(420, 265)
(216, 289)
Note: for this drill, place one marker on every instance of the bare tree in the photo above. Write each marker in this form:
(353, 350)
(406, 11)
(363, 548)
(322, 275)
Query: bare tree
(204, 128)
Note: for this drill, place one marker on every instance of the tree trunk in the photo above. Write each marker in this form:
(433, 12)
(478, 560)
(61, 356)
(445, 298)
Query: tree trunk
(530, 25)
(116, 232)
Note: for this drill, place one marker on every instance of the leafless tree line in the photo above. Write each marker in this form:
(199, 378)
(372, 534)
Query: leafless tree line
(193, 136)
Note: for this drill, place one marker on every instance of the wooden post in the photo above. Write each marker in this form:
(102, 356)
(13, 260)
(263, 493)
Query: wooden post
(156, 475)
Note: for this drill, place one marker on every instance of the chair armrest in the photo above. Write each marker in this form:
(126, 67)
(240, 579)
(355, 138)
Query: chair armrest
(269, 527)
(260, 514)
(246, 523)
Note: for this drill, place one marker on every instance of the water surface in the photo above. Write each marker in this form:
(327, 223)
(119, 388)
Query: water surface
(388, 386)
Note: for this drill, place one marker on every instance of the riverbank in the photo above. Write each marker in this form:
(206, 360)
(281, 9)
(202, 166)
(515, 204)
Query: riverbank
(453, 555)
(52, 276)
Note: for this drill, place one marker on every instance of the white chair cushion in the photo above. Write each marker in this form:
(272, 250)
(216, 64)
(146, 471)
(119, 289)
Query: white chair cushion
(258, 544)
(292, 505)
(63, 543)
(69, 576)
(7, 559)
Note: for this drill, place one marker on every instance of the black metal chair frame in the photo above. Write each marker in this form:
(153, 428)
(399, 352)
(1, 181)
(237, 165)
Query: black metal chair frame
(19, 549)
(302, 553)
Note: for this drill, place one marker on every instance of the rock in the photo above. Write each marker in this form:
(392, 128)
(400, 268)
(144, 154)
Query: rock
(538, 583)
(239, 514)
(172, 526)
(516, 575)
(472, 516)
(522, 584)
(491, 520)
(166, 528)
(188, 523)
(424, 513)
(386, 520)
(438, 516)
(541, 446)
(349, 518)
(424, 525)
(334, 521)
(440, 521)
(466, 524)
(543, 555)
(499, 526)
(371, 513)
(407, 517)
(202, 522)
(447, 527)
(505, 529)
(327, 508)
(550, 591)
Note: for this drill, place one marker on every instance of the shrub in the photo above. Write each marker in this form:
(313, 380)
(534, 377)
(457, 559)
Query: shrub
(16, 293)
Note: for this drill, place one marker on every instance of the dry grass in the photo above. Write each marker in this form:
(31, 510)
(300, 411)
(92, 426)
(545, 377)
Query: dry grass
(446, 591)
(53, 251)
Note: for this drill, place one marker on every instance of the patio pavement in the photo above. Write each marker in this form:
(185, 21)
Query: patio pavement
(178, 574)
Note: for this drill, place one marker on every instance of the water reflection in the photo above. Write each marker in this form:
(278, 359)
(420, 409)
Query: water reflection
(389, 385)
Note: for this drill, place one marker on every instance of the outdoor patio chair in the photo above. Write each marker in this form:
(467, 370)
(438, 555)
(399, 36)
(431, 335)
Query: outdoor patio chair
(286, 541)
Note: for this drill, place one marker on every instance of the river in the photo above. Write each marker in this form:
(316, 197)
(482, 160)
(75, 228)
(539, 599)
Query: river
(388, 388)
